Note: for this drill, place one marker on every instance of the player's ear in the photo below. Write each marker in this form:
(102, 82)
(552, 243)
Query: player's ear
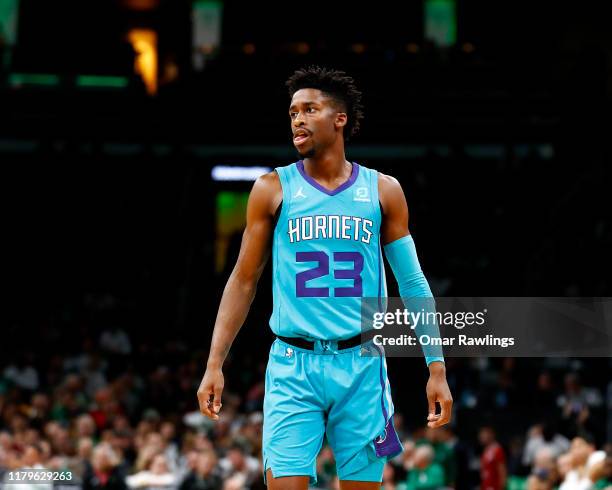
(341, 119)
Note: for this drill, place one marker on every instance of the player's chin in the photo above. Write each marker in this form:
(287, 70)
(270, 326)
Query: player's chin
(305, 151)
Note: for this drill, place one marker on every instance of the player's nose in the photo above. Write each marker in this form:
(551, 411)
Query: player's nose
(298, 120)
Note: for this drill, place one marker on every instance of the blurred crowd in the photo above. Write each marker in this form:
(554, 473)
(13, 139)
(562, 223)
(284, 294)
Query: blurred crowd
(118, 413)
(549, 461)
(113, 426)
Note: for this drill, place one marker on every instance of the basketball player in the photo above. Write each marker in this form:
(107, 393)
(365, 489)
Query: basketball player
(325, 221)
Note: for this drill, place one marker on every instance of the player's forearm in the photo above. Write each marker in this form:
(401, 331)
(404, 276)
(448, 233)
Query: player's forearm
(415, 293)
(233, 310)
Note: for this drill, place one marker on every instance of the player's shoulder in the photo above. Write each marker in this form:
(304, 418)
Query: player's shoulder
(267, 190)
(390, 192)
(273, 178)
(287, 166)
(382, 179)
(269, 179)
(267, 184)
(388, 183)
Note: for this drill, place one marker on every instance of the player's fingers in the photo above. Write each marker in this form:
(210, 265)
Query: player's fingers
(431, 402)
(447, 406)
(205, 406)
(445, 414)
(207, 412)
(431, 408)
(217, 399)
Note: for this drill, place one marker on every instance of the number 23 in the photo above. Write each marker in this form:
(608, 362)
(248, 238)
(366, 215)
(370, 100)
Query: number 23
(322, 269)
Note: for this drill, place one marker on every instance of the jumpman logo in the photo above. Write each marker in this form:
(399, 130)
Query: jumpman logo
(299, 194)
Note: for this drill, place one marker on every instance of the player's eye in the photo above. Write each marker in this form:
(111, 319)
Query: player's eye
(311, 109)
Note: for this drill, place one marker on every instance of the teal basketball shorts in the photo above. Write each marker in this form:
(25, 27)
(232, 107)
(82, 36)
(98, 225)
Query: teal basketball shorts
(342, 394)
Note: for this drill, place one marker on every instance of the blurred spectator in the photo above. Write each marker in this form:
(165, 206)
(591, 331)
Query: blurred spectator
(167, 432)
(38, 411)
(576, 404)
(85, 426)
(104, 470)
(425, 474)
(442, 442)
(239, 465)
(492, 462)
(544, 473)
(204, 474)
(514, 456)
(115, 341)
(157, 474)
(255, 395)
(84, 453)
(22, 372)
(389, 482)
(398, 423)
(564, 466)
(78, 363)
(584, 459)
(94, 375)
(252, 431)
(404, 461)
(601, 472)
(69, 399)
(541, 436)
(32, 458)
(152, 445)
(545, 396)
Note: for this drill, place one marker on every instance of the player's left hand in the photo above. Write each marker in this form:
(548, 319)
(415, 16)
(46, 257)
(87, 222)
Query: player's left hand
(438, 391)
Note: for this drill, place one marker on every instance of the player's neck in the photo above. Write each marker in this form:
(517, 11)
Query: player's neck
(328, 166)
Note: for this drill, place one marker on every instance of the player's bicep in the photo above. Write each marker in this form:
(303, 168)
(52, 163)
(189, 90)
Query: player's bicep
(256, 238)
(254, 251)
(394, 208)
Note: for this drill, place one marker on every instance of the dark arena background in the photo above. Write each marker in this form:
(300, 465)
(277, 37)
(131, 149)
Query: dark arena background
(131, 132)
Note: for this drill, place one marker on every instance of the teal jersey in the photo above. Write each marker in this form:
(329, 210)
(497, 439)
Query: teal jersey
(326, 254)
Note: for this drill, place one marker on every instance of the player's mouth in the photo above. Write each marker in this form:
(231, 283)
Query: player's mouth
(300, 137)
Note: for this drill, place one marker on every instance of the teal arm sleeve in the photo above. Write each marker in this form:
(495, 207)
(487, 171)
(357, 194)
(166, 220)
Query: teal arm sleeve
(404, 262)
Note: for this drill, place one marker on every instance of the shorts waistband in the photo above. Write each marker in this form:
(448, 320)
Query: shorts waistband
(339, 344)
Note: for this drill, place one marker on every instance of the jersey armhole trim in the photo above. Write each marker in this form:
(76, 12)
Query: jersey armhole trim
(378, 209)
(283, 207)
(277, 213)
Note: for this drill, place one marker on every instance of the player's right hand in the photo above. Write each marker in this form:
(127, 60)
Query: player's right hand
(209, 393)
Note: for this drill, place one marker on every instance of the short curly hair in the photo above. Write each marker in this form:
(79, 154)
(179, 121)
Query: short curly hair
(337, 85)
